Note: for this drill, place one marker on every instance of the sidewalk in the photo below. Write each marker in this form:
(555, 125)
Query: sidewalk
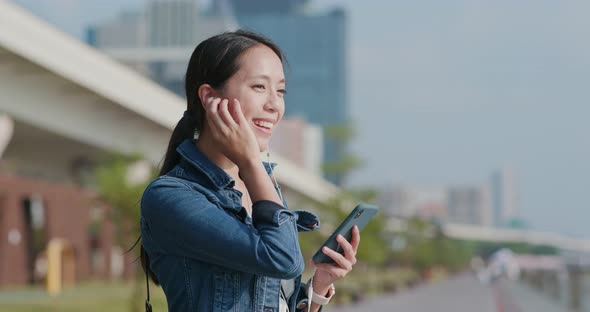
(458, 294)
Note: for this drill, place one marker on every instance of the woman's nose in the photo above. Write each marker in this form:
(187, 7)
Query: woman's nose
(273, 101)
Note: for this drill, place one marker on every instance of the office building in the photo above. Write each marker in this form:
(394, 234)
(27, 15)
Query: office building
(505, 197)
(300, 142)
(469, 205)
(158, 40)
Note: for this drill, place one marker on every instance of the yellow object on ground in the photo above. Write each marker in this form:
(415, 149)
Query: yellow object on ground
(61, 265)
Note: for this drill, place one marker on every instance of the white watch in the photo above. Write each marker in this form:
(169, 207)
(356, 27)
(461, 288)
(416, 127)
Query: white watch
(321, 300)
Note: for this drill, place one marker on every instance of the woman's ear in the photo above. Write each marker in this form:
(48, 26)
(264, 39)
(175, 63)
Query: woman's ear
(205, 92)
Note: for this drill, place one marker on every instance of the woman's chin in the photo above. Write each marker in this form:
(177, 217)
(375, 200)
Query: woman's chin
(262, 145)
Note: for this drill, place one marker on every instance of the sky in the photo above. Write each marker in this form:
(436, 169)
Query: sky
(446, 92)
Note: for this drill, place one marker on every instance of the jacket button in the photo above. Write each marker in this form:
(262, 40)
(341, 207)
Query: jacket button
(302, 304)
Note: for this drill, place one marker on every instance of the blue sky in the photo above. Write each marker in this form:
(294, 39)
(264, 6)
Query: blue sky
(448, 91)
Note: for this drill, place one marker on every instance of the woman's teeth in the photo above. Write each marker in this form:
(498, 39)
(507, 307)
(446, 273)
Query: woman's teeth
(264, 124)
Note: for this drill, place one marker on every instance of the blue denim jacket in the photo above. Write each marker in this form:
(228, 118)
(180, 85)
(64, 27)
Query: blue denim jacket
(207, 252)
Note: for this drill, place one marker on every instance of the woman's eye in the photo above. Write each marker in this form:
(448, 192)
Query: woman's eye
(282, 91)
(259, 86)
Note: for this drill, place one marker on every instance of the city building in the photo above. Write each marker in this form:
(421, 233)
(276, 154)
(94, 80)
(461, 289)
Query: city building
(505, 197)
(299, 142)
(251, 7)
(172, 23)
(469, 205)
(158, 40)
(414, 201)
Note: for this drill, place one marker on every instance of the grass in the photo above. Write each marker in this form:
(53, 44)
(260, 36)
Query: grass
(90, 297)
(118, 296)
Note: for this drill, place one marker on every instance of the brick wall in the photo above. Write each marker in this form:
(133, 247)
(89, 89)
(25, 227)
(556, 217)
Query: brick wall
(67, 216)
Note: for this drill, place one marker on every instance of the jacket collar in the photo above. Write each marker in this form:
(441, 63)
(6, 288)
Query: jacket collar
(189, 152)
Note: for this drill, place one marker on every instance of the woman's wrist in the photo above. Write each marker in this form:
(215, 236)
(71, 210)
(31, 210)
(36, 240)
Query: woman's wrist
(248, 165)
(320, 295)
(321, 286)
(321, 290)
(257, 181)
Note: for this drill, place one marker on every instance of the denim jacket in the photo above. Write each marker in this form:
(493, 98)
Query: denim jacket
(207, 252)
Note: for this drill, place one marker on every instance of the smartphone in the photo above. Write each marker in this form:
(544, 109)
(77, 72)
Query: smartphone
(360, 216)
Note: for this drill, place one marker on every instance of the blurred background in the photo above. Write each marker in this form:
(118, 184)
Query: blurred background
(464, 121)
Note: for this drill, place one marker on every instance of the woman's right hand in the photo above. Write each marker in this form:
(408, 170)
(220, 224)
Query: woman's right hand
(231, 131)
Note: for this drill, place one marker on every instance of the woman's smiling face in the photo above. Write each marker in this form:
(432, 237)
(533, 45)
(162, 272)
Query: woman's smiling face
(259, 86)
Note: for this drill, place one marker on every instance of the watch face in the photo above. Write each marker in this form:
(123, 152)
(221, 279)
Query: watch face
(302, 304)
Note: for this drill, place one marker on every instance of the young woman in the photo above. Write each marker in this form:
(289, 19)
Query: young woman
(216, 234)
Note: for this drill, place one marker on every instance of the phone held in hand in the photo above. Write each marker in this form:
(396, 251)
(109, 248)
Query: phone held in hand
(360, 216)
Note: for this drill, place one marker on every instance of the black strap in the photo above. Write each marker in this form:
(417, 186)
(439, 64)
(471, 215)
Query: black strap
(148, 306)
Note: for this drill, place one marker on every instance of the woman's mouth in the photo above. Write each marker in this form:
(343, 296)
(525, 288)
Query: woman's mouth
(264, 126)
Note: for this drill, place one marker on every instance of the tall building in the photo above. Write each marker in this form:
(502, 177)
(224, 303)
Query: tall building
(128, 30)
(158, 40)
(414, 201)
(172, 23)
(316, 49)
(251, 7)
(493, 203)
(505, 197)
(299, 142)
(469, 205)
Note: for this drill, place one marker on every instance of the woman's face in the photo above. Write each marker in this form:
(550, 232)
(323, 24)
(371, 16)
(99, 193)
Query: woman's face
(259, 85)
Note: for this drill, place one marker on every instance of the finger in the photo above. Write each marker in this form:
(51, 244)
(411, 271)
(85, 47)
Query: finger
(356, 238)
(224, 114)
(213, 118)
(325, 266)
(232, 108)
(207, 103)
(240, 118)
(338, 258)
(349, 253)
(212, 105)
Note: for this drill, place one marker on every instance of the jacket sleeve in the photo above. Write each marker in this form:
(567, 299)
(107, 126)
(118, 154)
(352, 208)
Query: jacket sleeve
(183, 222)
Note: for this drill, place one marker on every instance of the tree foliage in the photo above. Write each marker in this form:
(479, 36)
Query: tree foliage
(117, 189)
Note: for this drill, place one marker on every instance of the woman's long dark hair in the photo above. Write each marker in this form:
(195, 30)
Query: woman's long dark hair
(213, 62)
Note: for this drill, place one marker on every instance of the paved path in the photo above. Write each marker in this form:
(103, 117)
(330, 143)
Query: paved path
(460, 294)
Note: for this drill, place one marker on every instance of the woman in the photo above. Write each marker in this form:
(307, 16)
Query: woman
(216, 234)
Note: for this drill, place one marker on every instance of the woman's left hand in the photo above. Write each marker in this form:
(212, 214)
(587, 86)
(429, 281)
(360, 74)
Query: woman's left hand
(328, 273)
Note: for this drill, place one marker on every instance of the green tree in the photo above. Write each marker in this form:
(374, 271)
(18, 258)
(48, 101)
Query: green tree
(121, 183)
(345, 163)
(123, 192)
